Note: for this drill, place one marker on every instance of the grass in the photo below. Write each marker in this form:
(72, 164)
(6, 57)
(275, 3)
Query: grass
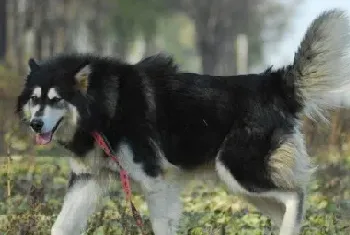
(37, 194)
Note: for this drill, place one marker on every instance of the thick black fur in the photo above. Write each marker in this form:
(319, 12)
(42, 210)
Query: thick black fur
(190, 116)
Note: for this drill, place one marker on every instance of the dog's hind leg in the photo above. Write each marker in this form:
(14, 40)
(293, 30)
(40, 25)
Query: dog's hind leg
(294, 211)
(268, 206)
(279, 176)
(290, 170)
(286, 208)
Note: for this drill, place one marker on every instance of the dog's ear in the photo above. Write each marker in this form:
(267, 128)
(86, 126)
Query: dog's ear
(82, 78)
(33, 66)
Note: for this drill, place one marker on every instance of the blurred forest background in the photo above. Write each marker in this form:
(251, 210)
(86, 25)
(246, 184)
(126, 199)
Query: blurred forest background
(222, 37)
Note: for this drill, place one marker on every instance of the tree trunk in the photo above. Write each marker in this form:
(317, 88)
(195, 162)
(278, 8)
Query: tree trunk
(2, 143)
(59, 32)
(208, 60)
(150, 45)
(52, 41)
(95, 26)
(216, 23)
(4, 106)
(3, 29)
(19, 38)
(60, 40)
(10, 50)
(121, 47)
(97, 37)
(38, 33)
(150, 39)
(71, 23)
(38, 44)
(227, 61)
(2, 128)
(206, 47)
(213, 24)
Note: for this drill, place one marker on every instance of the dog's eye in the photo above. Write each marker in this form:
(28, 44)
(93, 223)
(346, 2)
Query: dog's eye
(34, 98)
(55, 99)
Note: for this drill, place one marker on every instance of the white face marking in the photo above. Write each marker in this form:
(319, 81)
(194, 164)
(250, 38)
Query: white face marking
(34, 109)
(52, 93)
(50, 117)
(37, 92)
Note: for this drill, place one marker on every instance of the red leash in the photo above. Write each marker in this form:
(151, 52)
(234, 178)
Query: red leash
(124, 178)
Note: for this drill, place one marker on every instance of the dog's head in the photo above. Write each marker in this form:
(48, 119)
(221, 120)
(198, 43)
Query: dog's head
(48, 101)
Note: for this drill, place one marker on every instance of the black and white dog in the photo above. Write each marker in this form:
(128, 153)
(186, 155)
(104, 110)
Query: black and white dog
(167, 126)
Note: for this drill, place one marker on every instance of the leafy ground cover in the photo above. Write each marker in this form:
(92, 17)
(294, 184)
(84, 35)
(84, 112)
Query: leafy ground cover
(31, 195)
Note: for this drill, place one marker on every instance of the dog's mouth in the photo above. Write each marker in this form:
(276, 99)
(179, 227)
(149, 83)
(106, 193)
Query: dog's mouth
(43, 139)
(46, 138)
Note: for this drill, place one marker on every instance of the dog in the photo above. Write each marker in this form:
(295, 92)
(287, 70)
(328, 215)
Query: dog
(167, 125)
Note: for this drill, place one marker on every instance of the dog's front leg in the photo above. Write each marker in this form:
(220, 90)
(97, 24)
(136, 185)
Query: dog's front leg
(164, 204)
(80, 202)
(162, 192)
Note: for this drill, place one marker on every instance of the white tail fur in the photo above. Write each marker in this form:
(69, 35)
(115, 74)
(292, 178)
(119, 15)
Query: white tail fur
(321, 68)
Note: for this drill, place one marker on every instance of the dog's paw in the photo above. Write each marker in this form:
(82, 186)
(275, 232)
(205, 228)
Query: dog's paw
(55, 230)
(65, 230)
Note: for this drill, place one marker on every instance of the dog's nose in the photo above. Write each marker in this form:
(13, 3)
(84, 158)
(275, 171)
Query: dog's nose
(37, 124)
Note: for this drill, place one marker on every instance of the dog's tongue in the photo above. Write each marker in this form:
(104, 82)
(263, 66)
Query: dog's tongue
(43, 139)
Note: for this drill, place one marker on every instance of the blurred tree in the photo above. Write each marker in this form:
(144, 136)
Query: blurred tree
(3, 29)
(70, 25)
(95, 25)
(10, 54)
(124, 34)
(19, 8)
(212, 19)
(14, 30)
(218, 22)
(38, 28)
(134, 18)
(70, 18)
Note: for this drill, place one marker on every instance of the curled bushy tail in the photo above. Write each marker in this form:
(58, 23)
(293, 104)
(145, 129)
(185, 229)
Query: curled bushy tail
(321, 69)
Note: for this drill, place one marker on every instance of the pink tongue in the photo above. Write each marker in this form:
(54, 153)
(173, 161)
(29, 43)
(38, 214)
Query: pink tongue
(43, 139)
